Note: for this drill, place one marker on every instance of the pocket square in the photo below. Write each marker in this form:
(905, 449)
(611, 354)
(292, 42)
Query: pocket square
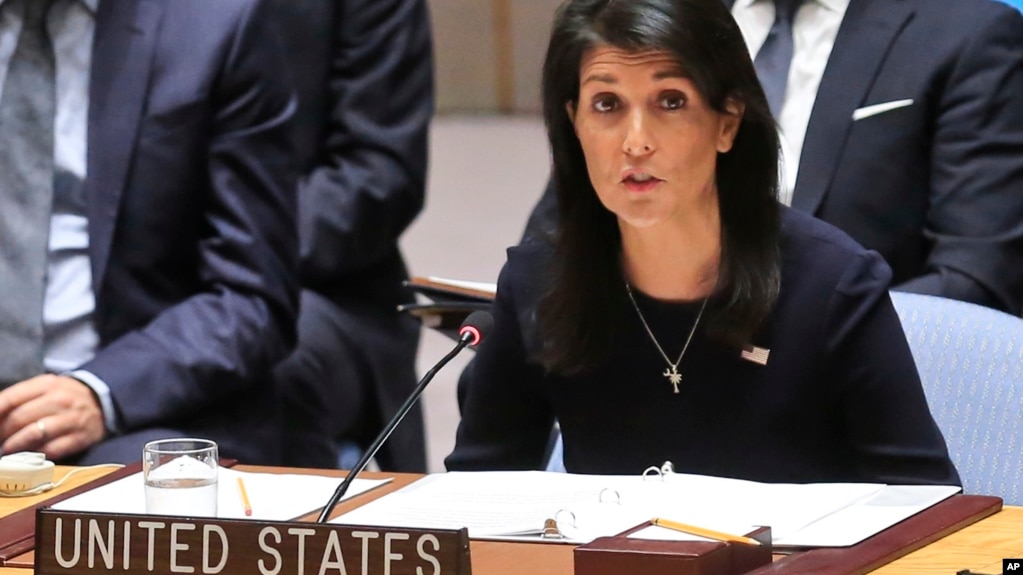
(875, 109)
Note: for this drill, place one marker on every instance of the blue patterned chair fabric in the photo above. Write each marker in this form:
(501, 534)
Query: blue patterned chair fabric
(970, 360)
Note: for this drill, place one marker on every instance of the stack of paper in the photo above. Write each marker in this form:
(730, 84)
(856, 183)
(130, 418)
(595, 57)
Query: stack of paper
(515, 505)
(273, 497)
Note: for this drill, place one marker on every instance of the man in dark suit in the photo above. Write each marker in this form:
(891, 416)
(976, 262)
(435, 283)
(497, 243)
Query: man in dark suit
(174, 193)
(913, 138)
(364, 74)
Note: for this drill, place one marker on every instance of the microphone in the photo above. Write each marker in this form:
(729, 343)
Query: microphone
(472, 331)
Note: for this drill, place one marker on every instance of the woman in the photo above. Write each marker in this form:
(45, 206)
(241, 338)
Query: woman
(682, 314)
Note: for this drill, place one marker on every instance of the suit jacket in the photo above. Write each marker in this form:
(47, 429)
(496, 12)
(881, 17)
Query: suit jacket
(935, 186)
(363, 70)
(190, 201)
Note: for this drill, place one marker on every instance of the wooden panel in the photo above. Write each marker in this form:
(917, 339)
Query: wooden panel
(463, 43)
(532, 21)
(488, 55)
(504, 58)
(979, 547)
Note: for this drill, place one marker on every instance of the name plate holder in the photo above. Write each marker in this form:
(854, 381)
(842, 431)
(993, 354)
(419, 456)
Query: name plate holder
(621, 555)
(73, 543)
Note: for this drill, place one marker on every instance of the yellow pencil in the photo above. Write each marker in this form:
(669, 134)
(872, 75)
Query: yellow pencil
(245, 497)
(703, 532)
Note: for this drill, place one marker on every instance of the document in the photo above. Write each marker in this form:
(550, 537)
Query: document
(517, 505)
(446, 289)
(272, 496)
(484, 287)
(866, 517)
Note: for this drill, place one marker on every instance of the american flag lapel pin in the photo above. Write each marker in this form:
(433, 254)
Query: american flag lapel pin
(755, 354)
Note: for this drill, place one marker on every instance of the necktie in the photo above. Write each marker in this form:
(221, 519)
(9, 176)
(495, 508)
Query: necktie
(775, 56)
(27, 108)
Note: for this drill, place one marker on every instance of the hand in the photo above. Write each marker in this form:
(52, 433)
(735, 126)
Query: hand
(54, 414)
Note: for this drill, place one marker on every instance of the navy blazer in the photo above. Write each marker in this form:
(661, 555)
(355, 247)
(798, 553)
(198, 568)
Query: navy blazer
(839, 398)
(363, 72)
(936, 187)
(190, 198)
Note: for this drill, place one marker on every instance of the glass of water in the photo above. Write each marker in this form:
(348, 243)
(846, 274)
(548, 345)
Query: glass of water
(181, 477)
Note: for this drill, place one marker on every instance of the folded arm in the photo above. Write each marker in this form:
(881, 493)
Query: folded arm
(975, 217)
(371, 183)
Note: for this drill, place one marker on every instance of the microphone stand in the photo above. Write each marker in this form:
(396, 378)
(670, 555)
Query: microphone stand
(464, 340)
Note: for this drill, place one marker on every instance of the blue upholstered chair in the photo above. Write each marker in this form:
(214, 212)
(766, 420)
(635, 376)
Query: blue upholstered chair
(970, 360)
(556, 460)
(1016, 3)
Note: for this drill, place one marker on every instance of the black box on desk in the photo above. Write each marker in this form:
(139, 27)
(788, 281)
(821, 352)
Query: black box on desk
(620, 555)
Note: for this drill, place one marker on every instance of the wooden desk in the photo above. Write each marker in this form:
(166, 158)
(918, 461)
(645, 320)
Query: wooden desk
(979, 547)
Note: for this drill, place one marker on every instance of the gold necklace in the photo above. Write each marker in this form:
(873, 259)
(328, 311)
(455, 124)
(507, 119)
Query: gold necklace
(672, 373)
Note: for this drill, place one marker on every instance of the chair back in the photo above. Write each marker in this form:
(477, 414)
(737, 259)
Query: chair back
(556, 459)
(970, 360)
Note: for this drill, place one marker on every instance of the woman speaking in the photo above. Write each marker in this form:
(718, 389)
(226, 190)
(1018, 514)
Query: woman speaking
(681, 313)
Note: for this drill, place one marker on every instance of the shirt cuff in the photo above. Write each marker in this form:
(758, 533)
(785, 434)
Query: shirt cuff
(102, 391)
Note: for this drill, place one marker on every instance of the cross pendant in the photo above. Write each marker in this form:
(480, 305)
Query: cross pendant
(673, 376)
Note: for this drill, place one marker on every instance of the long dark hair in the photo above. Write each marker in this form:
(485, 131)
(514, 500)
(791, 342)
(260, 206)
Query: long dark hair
(579, 315)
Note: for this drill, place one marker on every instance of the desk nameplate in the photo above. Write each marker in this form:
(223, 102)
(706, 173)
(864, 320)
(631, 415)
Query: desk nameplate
(71, 543)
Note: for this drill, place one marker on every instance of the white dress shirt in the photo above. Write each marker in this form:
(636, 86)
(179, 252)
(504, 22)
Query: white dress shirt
(813, 35)
(70, 335)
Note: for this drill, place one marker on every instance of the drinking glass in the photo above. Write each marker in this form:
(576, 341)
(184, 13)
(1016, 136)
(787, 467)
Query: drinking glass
(181, 477)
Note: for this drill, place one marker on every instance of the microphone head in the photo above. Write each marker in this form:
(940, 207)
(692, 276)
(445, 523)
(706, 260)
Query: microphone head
(475, 327)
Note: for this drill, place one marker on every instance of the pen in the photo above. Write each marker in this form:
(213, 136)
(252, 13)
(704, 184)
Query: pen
(245, 497)
(703, 532)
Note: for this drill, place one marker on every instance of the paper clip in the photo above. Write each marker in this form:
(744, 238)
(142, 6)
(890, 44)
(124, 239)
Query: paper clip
(666, 468)
(651, 472)
(569, 517)
(551, 527)
(613, 496)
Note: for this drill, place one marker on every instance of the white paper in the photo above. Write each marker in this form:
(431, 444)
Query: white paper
(488, 287)
(273, 497)
(785, 507)
(455, 500)
(852, 524)
(515, 505)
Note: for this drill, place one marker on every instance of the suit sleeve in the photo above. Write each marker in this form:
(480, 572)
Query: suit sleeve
(371, 183)
(889, 428)
(240, 321)
(975, 217)
(506, 418)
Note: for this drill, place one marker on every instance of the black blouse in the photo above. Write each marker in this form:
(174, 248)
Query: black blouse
(839, 398)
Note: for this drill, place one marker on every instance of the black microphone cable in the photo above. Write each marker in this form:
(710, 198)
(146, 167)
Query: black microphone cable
(470, 333)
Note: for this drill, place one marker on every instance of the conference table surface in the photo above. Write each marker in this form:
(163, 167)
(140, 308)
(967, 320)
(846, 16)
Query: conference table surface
(979, 547)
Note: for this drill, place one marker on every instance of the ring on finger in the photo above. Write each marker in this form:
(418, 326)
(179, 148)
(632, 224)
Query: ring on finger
(42, 429)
